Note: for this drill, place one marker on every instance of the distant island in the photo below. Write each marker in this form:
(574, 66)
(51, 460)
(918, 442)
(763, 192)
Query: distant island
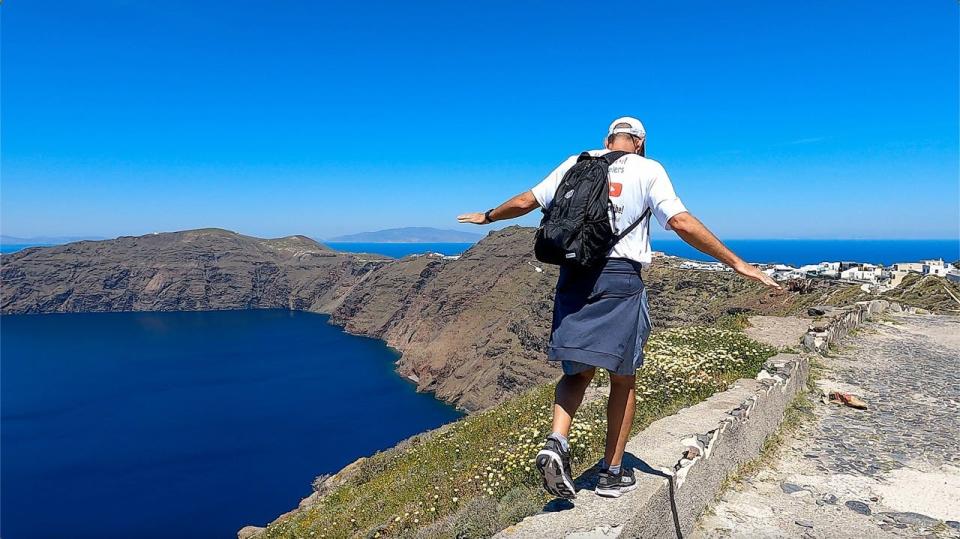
(410, 234)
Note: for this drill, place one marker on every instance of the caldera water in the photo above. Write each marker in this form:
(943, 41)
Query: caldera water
(187, 424)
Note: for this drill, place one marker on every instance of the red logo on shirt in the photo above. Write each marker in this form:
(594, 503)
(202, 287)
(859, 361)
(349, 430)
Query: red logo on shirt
(615, 189)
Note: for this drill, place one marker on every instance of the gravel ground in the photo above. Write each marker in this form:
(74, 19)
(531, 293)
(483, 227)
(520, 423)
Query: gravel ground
(892, 470)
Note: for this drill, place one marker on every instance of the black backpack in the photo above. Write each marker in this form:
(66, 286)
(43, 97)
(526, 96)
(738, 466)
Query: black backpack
(576, 229)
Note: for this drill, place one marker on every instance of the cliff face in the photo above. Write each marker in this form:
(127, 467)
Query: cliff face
(473, 330)
(190, 270)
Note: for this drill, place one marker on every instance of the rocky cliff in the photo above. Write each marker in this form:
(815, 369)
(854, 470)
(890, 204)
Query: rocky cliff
(473, 330)
(203, 269)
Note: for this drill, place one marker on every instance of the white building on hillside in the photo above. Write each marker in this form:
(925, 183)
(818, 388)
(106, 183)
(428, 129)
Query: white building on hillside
(866, 273)
(926, 267)
(936, 267)
(705, 266)
(830, 270)
(896, 277)
(916, 267)
(780, 272)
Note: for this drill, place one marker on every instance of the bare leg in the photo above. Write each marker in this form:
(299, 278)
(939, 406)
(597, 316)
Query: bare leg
(620, 409)
(567, 399)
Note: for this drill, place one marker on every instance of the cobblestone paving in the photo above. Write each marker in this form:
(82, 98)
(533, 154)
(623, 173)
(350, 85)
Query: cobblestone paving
(892, 470)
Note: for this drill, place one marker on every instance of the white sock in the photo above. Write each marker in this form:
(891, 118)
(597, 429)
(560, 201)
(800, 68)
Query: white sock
(562, 439)
(614, 469)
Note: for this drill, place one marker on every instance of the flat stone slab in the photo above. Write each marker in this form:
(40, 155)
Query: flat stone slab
(777, 331)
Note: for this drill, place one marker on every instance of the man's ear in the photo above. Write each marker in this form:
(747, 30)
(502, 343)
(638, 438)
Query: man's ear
(606, 142)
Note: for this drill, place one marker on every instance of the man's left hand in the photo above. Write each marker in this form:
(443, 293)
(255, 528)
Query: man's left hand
(477, 218)
(752, 272)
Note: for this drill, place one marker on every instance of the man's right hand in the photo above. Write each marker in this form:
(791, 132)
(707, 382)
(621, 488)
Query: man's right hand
(752, 272)
(521, 204)
(477, 218)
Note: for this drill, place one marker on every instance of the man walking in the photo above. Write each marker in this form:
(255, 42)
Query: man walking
(600, 314)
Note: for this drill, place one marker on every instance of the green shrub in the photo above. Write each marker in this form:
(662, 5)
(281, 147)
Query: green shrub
(477, 519)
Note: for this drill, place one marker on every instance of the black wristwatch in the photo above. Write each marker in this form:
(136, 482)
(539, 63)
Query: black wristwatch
(486, 215)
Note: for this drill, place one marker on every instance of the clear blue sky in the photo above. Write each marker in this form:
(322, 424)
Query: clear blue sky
(818, 119)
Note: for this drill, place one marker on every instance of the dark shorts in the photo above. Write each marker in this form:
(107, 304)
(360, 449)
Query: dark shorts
(600, 318)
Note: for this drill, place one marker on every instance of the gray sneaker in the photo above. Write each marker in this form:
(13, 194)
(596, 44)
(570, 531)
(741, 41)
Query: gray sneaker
(554, 465)
(613, 486)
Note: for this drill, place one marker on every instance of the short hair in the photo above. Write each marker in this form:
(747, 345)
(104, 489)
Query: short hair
(643, 145)
(620, 126)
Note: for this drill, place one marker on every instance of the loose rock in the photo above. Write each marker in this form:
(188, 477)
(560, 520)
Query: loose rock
(913, 519)
(858, 507)
(790, 488)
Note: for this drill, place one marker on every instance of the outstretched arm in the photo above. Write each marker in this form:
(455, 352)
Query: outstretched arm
(521, 204)
(692, 231)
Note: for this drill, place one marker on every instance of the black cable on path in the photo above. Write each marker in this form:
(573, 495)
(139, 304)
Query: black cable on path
(673, 507)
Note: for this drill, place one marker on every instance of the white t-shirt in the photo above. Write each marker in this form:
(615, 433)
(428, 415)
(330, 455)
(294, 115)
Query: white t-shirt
(635, 183)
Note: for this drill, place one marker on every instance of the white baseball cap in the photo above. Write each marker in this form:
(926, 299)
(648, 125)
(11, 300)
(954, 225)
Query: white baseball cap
(633, 127)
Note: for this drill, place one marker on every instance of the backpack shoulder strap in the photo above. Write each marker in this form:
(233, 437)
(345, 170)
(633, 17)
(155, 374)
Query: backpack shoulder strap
(609, 157)
(644, 216)
(613, 156)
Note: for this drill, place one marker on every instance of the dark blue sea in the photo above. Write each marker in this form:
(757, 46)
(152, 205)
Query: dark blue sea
(187, 425)
(8, 248)
(800, 252)
(792, 252)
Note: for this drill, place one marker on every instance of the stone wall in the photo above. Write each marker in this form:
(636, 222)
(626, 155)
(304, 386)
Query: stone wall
(838, 322)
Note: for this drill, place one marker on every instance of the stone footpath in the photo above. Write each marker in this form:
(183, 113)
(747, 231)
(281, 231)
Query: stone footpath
(890, 471)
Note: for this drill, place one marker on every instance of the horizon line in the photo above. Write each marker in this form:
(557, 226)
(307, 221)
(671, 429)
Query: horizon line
(83, 237)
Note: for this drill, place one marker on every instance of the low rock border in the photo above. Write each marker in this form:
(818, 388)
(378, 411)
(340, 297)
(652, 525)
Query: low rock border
(838, 322)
